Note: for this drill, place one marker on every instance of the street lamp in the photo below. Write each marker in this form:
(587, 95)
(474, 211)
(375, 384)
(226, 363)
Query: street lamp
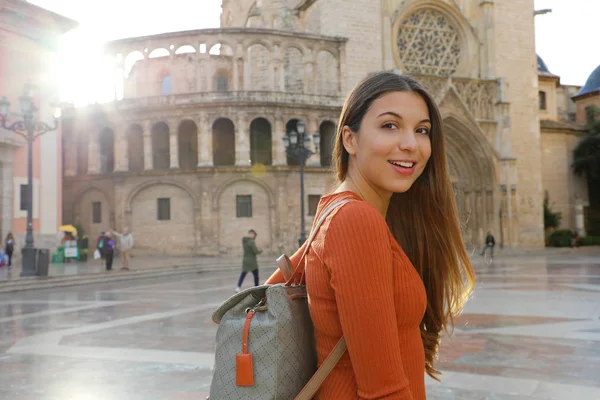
(29, 129)
(297, 146)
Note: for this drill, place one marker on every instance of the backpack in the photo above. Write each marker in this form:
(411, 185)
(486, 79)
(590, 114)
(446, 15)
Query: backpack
(103, 246)
(265, 341)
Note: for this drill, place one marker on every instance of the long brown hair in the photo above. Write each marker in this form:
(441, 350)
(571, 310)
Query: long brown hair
(424, 220)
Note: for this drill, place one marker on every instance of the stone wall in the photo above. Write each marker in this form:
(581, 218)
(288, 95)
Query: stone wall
(564, 189)
(515, 61)
(203, 218)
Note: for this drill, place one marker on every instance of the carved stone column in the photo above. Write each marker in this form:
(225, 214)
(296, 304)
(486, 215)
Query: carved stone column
(236, 75)
(205, 158)
(278, 149)
(173, 143)
(242, 144)
(148, 163)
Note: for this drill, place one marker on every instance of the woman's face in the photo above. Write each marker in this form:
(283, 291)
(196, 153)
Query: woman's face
(393, 145)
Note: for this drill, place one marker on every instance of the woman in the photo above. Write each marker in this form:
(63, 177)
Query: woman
(9, 247)
(389, 270)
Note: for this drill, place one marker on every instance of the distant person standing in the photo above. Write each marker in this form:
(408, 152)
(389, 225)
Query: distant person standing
(108, 250)
(100, 245)
(489, 242)
(9, 247)
(126, 241)
(249, 263)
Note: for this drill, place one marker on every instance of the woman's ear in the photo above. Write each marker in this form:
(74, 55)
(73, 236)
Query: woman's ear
(349, 140)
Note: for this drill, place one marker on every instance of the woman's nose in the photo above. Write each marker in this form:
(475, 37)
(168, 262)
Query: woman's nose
(408, 141)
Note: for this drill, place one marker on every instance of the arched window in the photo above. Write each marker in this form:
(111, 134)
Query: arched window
(260, 142)
(327, 131)
(223, 142)
(222, 83)
(166, 87)
(161, 157)
(188, 144)
(107, 152)
(135, 147)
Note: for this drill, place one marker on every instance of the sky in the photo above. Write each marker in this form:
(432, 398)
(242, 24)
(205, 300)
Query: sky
(85, 75)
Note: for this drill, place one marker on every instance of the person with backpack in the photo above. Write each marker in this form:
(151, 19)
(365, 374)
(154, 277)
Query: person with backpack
(249, 262)
(490, 242)
(388, 270)
(9, 248)
(107, 250)
(100, 244)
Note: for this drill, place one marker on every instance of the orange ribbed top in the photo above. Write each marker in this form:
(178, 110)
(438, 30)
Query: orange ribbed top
(361, 285)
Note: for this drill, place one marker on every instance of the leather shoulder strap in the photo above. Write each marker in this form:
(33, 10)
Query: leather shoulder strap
(318, 224)
(310, 389)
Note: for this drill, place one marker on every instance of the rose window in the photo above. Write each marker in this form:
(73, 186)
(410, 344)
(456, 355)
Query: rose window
(428, 44)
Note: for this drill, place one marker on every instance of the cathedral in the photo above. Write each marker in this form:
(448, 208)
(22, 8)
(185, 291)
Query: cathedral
(191, 155)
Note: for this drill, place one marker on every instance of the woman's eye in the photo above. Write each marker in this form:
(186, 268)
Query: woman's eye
(389, 125)
(423, 131)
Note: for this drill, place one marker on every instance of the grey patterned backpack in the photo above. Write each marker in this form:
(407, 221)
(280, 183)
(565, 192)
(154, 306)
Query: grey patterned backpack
(265, 341)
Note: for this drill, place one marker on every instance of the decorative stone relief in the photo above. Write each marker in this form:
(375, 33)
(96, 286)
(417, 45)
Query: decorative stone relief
(428, 44)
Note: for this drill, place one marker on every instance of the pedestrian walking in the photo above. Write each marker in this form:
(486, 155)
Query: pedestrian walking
(9, 248)
(126, 244)
(249, 262)
(490, 242)
(389, 266)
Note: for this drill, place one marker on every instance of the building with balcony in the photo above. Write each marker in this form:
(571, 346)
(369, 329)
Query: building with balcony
(190, 155)
(28, 47)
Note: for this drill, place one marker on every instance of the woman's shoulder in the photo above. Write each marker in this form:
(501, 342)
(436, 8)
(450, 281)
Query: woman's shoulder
(355, 215)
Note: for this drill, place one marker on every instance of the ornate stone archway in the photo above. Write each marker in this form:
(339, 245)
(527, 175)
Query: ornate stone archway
(471, 166)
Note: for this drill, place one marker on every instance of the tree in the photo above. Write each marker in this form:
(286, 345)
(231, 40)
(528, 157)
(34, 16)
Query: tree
(586, 163)
(586, 155)
(551, 219)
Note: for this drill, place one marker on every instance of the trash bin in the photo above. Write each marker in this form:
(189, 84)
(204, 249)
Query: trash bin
(42, 262)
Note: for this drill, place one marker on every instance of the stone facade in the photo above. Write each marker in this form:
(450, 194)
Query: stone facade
(201, 116)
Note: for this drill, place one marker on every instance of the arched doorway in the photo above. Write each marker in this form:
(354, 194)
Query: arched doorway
(471, 169)
(106, 140)
(188, 144)
(260, 142)
(223, 136)
(292, 126)
(327, 131)
(135, 148)
(161, 157)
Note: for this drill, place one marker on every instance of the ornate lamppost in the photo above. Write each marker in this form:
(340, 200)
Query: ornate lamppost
(297, 146)
(29, 129)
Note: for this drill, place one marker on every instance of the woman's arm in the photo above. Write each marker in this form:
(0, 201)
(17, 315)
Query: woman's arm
(358, 255)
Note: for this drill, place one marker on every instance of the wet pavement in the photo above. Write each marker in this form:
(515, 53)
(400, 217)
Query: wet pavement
(531, 331)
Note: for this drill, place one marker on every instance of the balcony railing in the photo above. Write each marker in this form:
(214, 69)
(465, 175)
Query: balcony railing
(231, 97)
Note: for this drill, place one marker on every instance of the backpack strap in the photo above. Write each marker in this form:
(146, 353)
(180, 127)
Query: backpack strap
(312, 386)
(313, 234)
(310, 389)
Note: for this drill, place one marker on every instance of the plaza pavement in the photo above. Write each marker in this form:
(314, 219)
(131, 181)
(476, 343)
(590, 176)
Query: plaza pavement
(530, 331)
